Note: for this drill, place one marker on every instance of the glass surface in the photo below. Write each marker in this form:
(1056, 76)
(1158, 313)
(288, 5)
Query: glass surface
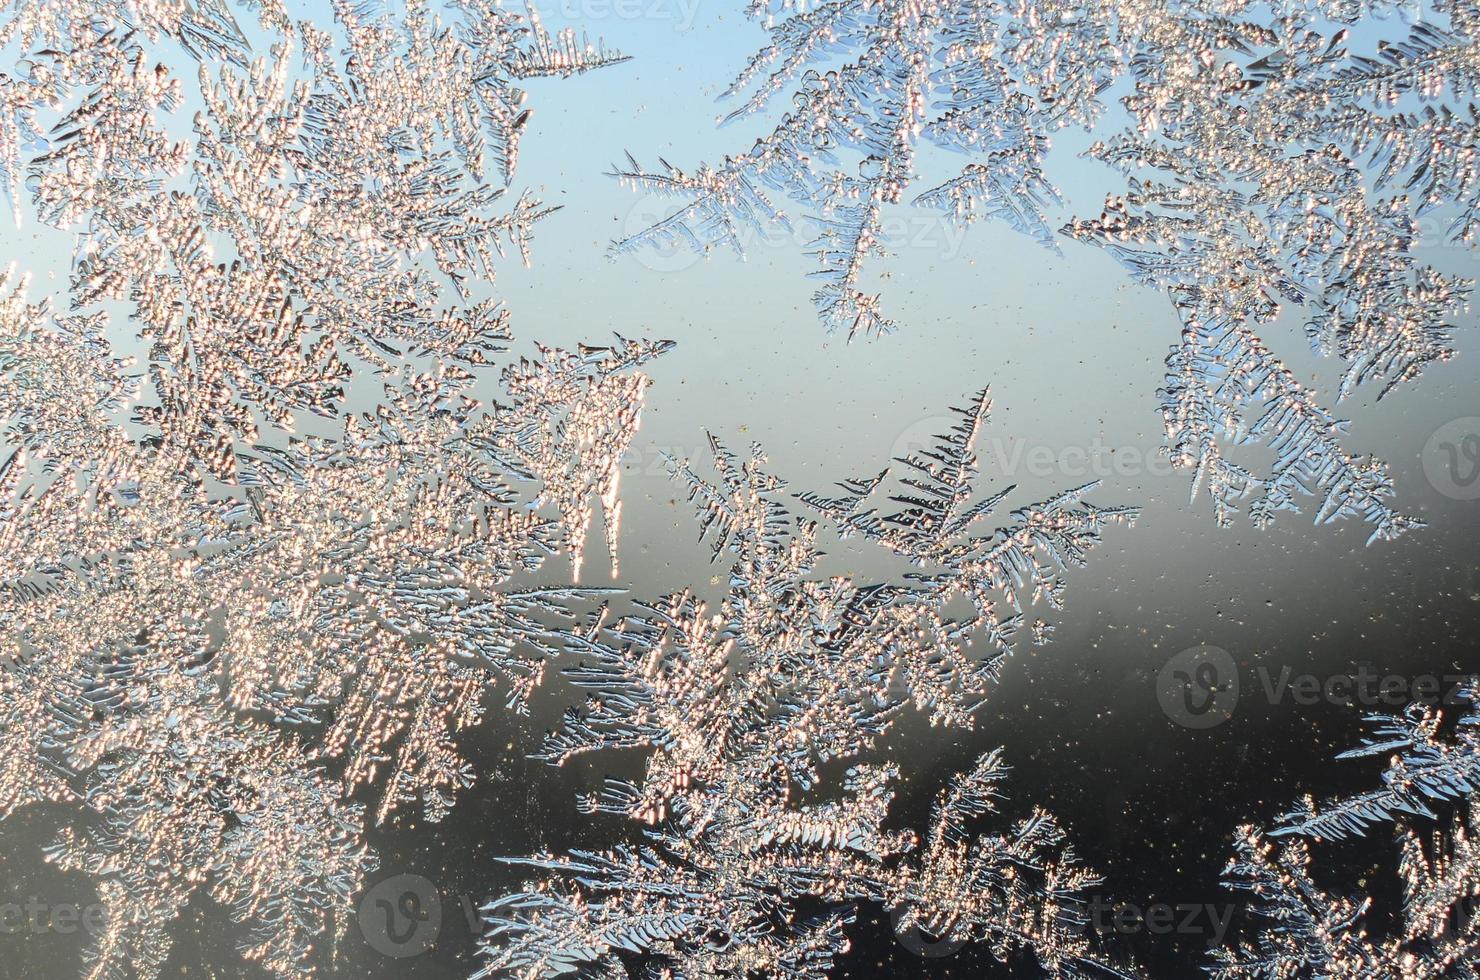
(285, 545)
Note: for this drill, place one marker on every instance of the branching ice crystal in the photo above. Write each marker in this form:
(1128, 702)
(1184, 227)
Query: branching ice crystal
(1267, 165)
(1424, 768)
(234, 601)
(1308, 932)
(1312, 933)
(1278, 174)
(756, 853)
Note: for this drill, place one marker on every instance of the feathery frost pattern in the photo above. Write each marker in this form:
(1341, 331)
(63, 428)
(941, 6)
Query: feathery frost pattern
(754, 856)
(1268, 165)
(1424, 769)
(239, 610)
(1305, 931)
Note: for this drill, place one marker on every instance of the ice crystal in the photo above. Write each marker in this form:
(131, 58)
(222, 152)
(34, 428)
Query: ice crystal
(1308, 931)
(108, 701)
(755, 852)
(234, 602)
(1425, 768)
(322, 187)
(1267, 165)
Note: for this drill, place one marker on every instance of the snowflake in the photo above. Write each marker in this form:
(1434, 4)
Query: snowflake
(755, 854)
(1306, 931)
(1267, 165)
(232, 612)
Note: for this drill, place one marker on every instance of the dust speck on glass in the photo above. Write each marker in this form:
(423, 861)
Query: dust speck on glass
(385, 590)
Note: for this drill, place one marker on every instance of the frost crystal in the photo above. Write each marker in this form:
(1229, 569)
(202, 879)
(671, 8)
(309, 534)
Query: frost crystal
(1267, 165)
(234, 609)
(1424, 768)
(1312, 933)
(756, 852)
(1308, 932)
